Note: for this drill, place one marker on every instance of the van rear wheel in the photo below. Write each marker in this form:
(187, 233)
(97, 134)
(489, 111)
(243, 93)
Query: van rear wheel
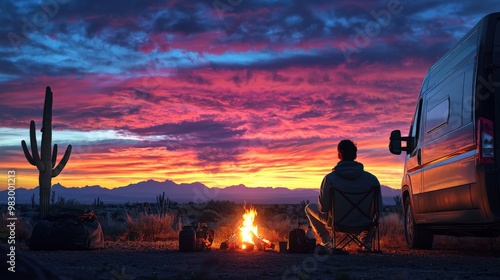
(417, 237)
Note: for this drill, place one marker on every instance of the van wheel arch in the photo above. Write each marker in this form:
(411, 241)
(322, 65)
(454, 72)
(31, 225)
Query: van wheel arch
(417, 236)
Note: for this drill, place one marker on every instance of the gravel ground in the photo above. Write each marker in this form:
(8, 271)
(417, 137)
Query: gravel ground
(162, 261)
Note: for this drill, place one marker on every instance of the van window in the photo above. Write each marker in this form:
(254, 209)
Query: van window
(438, 116)
(415, 127)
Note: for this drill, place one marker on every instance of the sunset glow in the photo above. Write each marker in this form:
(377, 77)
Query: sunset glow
(259, 94)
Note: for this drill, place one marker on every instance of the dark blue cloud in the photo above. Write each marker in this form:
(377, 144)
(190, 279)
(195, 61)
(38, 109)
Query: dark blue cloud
(106, 37)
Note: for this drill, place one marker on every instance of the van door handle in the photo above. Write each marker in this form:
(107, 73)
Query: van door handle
(419, 157)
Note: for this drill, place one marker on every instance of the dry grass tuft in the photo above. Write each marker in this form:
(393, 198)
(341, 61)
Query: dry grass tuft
(149, 227)
(391, 229)
(113, 228)
(277, 228)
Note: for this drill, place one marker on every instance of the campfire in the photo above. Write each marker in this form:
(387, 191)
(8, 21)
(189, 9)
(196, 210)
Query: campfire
(247, 237)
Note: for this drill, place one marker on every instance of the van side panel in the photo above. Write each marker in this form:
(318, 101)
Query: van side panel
(448, 154)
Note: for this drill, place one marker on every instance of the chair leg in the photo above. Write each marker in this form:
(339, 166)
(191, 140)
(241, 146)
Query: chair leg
(339, 243)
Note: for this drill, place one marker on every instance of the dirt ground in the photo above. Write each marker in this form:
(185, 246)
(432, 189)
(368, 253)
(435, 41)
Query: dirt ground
(163, 261)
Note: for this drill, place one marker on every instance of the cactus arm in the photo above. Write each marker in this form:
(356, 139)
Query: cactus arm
(27, 153)
(54, 156)
(62, 163)
(34, 148)
(33, 143)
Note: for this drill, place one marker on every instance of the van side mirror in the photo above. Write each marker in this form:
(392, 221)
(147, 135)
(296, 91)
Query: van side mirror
(395, 143)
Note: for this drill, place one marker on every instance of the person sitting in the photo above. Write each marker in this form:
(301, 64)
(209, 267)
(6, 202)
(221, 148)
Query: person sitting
(347, 174)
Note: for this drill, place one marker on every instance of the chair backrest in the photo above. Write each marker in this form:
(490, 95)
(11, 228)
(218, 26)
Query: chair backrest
(355, 208)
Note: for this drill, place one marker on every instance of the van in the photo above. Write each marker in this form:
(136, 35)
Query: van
(451, 181)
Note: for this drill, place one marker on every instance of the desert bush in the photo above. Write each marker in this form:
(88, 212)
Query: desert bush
(144, 226)
(391, 229)
(23, 227)
(119, 215)
(277, 228)
(224, 227)
(211, 212)
(222, 233)
(112, 228)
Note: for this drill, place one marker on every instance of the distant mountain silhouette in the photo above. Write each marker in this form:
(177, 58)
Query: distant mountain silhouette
(147, 191)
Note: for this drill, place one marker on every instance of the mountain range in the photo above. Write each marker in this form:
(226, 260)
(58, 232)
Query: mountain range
(147, 191)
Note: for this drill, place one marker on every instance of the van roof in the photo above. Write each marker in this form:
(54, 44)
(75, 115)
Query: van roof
(461, 50)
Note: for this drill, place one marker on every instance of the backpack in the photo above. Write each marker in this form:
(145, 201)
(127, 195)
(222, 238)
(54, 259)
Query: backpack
(297, 241)
(69, 229)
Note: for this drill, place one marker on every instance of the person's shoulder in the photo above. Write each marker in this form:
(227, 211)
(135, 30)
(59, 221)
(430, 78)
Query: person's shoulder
(370, 176)
(330, 175)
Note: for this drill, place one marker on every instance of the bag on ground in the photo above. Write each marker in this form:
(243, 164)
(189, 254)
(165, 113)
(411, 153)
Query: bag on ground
(69, 229)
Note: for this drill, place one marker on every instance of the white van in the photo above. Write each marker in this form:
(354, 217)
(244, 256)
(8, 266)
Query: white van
(451, 182)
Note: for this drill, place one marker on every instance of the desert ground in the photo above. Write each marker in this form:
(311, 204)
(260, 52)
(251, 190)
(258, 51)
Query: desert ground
(142, 244)
(161, 260)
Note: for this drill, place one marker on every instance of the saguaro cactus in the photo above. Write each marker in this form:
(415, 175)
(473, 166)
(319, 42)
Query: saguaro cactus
(46, 161)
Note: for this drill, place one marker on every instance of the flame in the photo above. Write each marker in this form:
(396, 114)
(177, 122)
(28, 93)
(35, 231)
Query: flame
(248, 229)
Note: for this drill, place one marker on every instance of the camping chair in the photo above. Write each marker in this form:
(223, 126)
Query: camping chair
(354, 212)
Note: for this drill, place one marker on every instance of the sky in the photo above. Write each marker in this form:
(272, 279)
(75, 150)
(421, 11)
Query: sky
(222, 92)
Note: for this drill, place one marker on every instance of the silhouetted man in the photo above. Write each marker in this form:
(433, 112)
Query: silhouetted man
(347, 174)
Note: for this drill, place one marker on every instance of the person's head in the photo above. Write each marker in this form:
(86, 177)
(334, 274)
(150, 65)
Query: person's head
(347, 150)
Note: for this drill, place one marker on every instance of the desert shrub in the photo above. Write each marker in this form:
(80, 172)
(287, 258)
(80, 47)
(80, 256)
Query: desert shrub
(23, 227)
(119, 215)
(391, 229)
(209, 216)
(398, 201)
(224, 227)
(388, 209)
(113, 228)
(222, 233)
(277, 228)
(211, 212)
(101, 214)
(143, 226)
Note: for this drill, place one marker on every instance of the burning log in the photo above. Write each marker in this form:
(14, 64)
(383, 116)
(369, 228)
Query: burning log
(247, 238)
(230, 242)
(259, 243)
(256, 241)
(267, 243)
